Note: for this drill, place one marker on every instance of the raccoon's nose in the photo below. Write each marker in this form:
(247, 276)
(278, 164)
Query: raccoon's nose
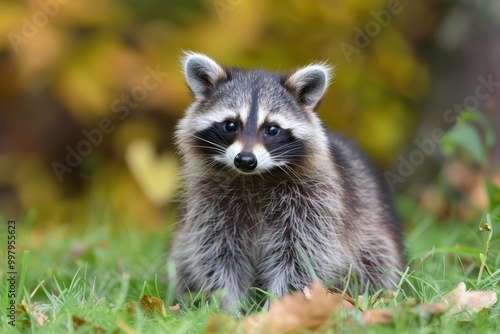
(245, 161)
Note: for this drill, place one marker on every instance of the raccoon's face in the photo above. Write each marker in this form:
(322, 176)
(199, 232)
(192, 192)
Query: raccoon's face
(250, 121)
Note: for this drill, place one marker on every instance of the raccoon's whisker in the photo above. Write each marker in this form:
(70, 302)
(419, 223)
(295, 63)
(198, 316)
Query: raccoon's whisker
(211, 145)
(217, 150)
(261, 176)
(287, 154)
(234, 174)
(286, 169)
(207, 163)
(287, 145)
(289, 170)
(222, 148)
(289, 164)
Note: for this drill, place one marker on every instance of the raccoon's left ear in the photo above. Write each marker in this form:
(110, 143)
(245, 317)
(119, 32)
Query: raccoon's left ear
(309, 83)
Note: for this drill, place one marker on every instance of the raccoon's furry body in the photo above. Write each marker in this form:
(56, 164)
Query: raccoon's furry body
(270, 198)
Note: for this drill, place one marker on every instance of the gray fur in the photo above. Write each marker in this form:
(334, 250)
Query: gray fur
(238, 230)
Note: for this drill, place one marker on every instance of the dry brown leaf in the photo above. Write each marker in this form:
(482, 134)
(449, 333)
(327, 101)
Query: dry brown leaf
(467, 303)
(429, 309)
(295, 312)
(413, 301)
(175, 307)
(78, 322)
(22, 317)
(380, 316)
(314, 308)
(377, 316)
(32, 312)
(221, 323)
(130, 307)
(151, 305)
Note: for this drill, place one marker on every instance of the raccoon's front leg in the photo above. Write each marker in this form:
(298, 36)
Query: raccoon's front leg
(232, 275)
(212, 262)
(283, 270)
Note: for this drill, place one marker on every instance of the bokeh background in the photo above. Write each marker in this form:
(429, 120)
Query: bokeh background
(101, 79)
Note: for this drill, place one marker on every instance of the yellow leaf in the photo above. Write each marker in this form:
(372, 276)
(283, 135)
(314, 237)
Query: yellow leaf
(156, 175)
(150, 305)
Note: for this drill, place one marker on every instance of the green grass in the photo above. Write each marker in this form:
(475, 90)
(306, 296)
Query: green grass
(90, 271)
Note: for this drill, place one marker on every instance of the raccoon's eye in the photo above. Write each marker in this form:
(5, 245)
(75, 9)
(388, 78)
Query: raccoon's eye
(230, 126)
(273, 130)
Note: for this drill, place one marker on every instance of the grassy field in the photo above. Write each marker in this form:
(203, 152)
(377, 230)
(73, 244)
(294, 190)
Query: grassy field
(79, 279)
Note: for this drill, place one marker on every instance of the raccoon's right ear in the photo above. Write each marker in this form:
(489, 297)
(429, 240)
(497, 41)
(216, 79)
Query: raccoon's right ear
(202, 73)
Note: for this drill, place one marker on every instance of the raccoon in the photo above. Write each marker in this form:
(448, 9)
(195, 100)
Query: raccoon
(270, 198)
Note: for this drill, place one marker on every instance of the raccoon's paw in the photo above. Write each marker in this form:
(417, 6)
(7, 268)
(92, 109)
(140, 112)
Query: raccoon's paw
(231, 304)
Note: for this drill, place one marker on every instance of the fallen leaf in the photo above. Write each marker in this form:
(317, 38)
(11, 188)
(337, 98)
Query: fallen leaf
(79, 322)
(151, 305)
(175, 307)
(221, 323)
(467, 303)
(22, 317)
(315, 309)
(413, 301)
(32, 311)
(429, 309)
(377, 316)
(154, 173)
(296, 312)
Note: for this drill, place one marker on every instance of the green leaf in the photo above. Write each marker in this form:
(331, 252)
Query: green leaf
(467, 137)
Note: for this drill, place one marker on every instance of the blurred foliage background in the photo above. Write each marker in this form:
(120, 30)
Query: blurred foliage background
(73, 71)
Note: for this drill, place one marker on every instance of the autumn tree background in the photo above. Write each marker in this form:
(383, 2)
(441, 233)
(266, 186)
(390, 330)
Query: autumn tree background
(90, 91)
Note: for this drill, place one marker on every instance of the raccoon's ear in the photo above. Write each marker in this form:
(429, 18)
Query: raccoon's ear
(309, 83)
(201, 73)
